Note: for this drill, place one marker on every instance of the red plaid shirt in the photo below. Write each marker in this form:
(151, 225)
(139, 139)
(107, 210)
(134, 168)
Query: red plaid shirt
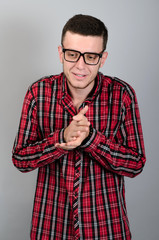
(80, 193)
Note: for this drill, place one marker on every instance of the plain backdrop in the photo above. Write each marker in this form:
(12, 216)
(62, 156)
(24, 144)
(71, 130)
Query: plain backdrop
(30, 32)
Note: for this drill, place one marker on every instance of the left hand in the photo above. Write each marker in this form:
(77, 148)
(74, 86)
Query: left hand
(80, 122)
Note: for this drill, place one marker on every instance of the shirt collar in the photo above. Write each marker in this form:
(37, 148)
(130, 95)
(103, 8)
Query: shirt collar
(95, 91)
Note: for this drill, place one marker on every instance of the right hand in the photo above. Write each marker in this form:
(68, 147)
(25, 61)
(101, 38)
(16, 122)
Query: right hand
(76, 132)
(78, 125)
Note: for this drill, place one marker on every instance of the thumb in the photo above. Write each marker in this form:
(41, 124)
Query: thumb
(84, 110)
(80, 114)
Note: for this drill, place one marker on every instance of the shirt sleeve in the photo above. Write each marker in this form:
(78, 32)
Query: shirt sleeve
(125, 153)
(30, 151)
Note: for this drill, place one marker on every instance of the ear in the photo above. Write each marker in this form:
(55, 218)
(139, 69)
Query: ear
(103, 59)
(60, 53)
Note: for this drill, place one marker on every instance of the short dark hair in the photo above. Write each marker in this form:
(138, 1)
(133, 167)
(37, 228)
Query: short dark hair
(87, 26)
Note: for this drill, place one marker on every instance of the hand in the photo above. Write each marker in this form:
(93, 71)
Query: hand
(76, 132)
(78, 125)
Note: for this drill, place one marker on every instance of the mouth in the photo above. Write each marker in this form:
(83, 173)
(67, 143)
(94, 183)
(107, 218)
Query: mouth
(79, 76)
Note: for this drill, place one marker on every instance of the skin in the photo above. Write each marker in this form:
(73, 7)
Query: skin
(80, 79)
(76, 132)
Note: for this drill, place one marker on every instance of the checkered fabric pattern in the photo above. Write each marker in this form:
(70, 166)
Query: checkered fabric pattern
(80, 193)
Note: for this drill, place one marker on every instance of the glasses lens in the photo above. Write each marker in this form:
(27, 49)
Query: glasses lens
(91, 58)
(71, 55)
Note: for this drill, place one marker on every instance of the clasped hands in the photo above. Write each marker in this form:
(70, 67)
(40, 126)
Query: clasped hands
(76, 131)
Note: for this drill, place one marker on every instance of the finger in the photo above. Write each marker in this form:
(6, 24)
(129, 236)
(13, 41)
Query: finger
(75, 134)
(73, 144)
(60, 144)
(82, 129)
(81, 113)
(83, 122)
(76, 142)
(64, 146)
(79, 130)
(80, 117)
(73, 138)
(84, 110)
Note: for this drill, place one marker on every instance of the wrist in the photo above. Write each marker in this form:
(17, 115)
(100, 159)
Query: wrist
(65, 135)
(88, 136)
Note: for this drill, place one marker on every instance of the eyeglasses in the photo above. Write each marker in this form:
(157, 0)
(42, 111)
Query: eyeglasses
(73, 56)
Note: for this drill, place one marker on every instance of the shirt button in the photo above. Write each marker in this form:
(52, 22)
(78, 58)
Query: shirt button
(75, 194)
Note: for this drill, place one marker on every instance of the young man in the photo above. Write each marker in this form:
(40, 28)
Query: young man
(82, 130)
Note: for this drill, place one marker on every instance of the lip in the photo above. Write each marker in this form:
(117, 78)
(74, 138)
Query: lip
(79, 76)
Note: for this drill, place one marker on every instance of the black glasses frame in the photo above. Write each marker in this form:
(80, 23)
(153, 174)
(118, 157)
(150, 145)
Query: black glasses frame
(83, 55)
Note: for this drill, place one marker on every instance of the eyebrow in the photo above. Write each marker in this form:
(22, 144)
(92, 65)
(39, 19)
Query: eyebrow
(81, 52)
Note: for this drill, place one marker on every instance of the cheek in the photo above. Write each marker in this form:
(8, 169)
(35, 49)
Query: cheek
(95, 71)
(66, 69)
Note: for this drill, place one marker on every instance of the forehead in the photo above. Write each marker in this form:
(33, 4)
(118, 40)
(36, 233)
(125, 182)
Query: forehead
(83, 43)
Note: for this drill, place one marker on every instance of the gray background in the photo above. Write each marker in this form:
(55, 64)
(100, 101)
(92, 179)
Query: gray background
(29, 36)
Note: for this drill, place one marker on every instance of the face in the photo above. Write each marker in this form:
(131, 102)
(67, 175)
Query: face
(81, 76)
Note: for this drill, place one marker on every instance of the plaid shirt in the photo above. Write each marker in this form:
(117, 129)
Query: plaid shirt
(80, 193)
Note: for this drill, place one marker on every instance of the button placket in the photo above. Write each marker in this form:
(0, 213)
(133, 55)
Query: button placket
(75, 195)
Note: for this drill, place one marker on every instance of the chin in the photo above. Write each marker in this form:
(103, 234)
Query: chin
(78, 86)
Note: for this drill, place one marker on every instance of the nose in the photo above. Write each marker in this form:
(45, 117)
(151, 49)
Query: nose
(80, 63)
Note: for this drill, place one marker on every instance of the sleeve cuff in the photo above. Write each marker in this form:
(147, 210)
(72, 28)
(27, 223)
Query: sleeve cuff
(61, 135)
(56, 137)
(92, 141)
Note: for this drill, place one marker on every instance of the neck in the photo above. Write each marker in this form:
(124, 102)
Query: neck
(79, 95)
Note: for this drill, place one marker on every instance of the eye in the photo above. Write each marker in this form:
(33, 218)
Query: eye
(91, 57)
(72, 54)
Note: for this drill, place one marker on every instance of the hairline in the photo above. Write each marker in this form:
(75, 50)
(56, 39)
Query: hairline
(84, 35)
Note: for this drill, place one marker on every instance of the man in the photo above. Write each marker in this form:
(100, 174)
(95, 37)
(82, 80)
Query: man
(82, 130)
